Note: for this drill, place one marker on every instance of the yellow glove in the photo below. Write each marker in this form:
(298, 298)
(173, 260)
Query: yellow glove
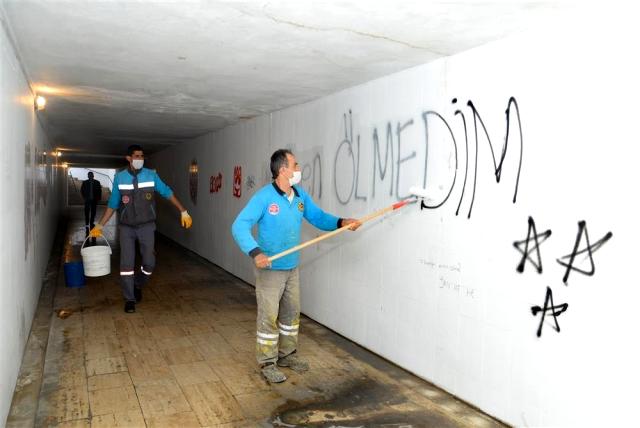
(185, 219)
(96, 232)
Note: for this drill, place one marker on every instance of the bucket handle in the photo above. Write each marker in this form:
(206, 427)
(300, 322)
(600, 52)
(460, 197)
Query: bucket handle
(105, 240)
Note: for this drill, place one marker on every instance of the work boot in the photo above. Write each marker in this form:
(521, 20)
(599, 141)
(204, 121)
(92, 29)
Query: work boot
(130, 306)
(294, 362)
(273, 374)
(137, 292)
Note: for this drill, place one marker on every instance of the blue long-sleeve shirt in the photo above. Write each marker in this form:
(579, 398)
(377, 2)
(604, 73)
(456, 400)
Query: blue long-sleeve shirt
(279, 222)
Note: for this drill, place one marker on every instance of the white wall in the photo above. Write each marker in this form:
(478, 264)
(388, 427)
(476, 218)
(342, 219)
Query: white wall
(439, 293)
(30, 189)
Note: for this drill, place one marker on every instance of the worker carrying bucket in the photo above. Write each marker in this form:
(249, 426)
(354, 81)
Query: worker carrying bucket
(133, 196)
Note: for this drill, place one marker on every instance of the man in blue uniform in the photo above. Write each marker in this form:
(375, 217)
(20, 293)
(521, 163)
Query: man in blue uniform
(278, 209)
(133, 195)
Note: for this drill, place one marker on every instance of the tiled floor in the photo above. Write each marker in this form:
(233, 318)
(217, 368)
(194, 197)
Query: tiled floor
(186, 359)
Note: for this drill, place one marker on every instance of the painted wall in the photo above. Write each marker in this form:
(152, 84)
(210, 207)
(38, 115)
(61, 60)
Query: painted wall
(535, 130)
(30, 189)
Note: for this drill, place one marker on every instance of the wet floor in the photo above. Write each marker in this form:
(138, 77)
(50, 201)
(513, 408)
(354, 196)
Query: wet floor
(186, 358)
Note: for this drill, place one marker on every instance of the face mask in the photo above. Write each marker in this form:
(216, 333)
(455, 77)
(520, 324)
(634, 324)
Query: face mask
(297, 176)
(137, 163)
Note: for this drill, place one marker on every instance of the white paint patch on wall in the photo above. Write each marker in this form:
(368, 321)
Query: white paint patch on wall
(30, 189)
(437, 292)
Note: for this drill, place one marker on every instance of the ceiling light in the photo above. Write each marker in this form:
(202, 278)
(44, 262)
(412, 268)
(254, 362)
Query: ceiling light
(40, 102)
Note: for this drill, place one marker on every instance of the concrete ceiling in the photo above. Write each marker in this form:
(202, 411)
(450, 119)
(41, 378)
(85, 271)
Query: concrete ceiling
(161, 72)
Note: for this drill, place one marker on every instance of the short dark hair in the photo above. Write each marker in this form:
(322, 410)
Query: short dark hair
(278, 160)
(90, 175)
(134, 148)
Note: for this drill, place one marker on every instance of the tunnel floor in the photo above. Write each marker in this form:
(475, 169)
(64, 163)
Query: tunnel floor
(185, 358)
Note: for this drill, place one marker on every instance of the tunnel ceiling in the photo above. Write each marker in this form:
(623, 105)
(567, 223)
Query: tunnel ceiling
(159, 73)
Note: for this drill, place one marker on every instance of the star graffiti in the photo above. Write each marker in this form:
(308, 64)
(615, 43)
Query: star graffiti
(527, 247)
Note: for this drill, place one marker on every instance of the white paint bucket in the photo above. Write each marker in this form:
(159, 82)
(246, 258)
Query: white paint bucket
(96, 259)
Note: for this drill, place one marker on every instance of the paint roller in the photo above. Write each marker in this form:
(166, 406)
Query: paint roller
(416, 194)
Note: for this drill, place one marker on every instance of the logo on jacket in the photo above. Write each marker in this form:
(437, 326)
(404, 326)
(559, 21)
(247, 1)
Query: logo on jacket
(300, 206)
(148, 196)
(125, 199)
(274, 209)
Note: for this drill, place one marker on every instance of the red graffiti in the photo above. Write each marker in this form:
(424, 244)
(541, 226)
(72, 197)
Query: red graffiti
(237, 181)
(215, 183)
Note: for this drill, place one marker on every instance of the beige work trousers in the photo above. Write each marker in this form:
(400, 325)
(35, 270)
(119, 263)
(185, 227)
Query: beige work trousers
(278, 298)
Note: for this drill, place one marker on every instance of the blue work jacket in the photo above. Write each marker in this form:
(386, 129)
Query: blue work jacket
(279, 222)
(133, 195)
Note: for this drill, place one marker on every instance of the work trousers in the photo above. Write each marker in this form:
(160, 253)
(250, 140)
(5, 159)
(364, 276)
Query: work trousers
(278, 298)
(145, 235)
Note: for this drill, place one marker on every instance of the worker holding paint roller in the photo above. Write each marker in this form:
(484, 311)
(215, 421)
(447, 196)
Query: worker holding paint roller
(278, 209)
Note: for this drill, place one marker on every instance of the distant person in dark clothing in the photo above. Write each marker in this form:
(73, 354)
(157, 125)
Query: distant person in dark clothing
(91, 191)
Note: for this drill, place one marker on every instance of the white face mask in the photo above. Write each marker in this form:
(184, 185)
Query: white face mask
(297, 176)
(137, 163)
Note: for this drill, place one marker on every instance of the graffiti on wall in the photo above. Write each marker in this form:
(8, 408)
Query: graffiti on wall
(347, 158)
(589, 250)
(390, 161)
(237, 181)
(215, 183)
(392, 153)
(43, 179)
(29, 197)
(193, 181)
(310, 162)
(529, 249)
(556, 311)
(251, 182)
(534, 240)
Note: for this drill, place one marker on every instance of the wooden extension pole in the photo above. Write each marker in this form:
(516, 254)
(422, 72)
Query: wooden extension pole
(364, 219)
